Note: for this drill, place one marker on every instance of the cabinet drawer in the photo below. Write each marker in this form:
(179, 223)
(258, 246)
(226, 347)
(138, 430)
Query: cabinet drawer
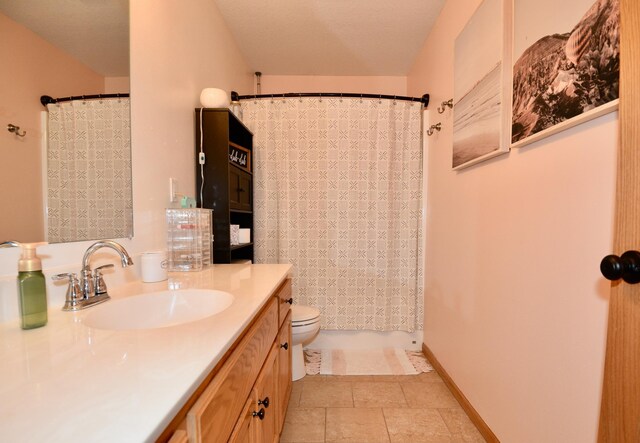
(216, 412)
(283, 295)
(240, 189)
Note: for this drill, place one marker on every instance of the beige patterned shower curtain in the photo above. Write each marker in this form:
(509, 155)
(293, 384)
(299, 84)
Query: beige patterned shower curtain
(89, 170)
(338, 194)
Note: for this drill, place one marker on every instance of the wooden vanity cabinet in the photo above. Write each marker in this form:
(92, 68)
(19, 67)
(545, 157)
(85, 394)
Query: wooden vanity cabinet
(284, 369)
(245, 430)
(266, 390)
(227, 407)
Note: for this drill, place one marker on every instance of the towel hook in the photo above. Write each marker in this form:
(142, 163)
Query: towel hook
(434, 128)
(443, 107)
(16, 130)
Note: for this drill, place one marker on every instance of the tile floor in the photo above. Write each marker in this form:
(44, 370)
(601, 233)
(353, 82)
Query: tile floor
(372, 409)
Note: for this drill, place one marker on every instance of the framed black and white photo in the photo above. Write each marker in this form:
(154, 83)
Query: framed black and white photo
(481, 89)
(566, 65)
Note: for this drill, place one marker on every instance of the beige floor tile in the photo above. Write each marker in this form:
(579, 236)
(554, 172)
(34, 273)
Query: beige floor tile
(356, 425)
(335, 378)
(392, 378)
(417, 378)
(416, 426)
(376, 395)
(323, 395)
(461, 426)
(428, 395)
(312, 378)
(304, 425)
(296, 390)
(429, 376)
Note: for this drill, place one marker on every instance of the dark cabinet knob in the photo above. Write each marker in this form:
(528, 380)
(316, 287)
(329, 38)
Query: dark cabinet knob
(285, 346)
(259, 414)
(289, 300)
(264, 402)
(625, 267)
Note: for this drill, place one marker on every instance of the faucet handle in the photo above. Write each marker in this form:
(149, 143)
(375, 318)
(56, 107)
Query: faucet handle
(98, 282)
(74, 293)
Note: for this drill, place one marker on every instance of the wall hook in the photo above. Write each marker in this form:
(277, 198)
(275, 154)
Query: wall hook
(443, 107)
(16, 130)
(434, 128)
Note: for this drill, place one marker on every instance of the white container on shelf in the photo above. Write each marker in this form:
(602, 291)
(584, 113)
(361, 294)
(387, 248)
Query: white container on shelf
(245, 235)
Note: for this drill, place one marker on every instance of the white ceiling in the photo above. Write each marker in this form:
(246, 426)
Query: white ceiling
(330, 37)
(96, 32)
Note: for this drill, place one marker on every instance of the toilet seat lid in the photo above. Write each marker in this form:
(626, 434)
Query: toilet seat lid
(301, 313)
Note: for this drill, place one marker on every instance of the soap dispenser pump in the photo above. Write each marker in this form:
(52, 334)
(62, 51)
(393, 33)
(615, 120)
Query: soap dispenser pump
(32, 292)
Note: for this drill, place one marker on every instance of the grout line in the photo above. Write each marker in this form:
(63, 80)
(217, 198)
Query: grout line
(353, 400)
(445, 421)
(386, 426)
(325, 425)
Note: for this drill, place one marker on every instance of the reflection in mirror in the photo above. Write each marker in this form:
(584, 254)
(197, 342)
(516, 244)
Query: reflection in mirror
(61, 49)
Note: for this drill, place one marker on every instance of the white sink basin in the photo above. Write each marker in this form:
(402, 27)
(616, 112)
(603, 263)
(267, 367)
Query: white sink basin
(158, 309)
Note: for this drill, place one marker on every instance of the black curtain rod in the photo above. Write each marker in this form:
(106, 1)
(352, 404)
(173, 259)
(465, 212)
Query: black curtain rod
(424, 99)
(45, 99)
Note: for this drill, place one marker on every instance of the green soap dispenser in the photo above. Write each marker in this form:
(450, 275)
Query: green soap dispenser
(32, 292)
(31, 288)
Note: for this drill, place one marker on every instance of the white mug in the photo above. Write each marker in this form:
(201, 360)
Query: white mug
(154, 266)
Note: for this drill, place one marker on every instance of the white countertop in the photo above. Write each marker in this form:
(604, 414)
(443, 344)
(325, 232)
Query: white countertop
(68, 382)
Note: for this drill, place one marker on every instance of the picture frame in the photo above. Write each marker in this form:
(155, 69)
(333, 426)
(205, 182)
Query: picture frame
(239, 156)
(566, 65)
(482, 85)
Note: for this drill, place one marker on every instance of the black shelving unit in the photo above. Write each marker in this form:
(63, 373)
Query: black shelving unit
(228, 188)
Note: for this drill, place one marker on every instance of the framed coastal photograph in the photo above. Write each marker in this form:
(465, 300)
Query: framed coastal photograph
(566, 65)
(481, 88)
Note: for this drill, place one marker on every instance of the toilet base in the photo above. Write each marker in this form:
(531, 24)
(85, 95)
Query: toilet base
(297, 363)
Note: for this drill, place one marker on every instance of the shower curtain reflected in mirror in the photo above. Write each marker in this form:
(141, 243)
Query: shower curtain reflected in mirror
(88, 168)
(338, 194)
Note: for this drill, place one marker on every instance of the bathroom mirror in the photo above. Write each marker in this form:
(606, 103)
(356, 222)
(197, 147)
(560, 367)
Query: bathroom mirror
(63, 48)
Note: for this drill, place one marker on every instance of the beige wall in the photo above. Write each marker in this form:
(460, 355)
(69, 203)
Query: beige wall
(31, 67)
(515, 308)
(175, 53)
(114, 85)
(388, 85)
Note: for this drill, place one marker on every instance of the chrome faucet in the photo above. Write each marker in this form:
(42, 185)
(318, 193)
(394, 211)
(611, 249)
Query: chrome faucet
(91, 289)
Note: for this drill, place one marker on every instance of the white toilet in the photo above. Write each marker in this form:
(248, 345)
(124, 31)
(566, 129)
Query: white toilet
(305, 324)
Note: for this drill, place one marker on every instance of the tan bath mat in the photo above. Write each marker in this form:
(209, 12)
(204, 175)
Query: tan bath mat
(387, 361)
